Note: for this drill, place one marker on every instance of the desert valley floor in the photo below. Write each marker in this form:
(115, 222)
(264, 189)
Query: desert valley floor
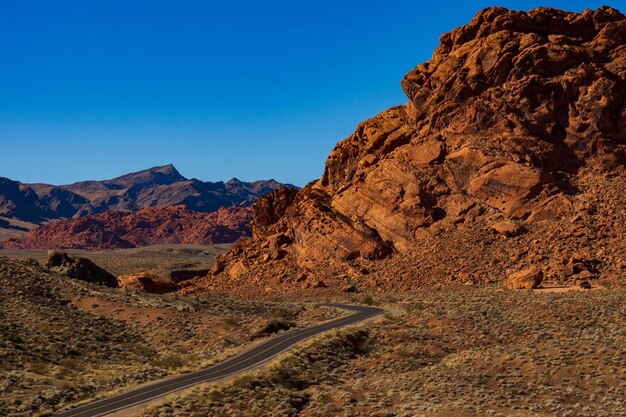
(461, 351)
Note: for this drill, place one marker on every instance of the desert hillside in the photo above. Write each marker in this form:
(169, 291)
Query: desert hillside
(509, 153)
(63, 340)
(452, 352)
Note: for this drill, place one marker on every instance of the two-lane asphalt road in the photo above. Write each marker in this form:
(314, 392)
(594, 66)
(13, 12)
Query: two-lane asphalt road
(243, 361)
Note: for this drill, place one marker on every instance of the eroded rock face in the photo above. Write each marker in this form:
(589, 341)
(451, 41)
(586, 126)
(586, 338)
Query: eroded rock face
(155, 225)
(498, 125)
(270, 208)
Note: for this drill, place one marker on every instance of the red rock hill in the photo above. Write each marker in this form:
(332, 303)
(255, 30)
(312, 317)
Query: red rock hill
(156, 225)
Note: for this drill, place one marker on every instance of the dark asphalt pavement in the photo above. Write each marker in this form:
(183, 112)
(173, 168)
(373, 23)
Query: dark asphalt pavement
(245, 360)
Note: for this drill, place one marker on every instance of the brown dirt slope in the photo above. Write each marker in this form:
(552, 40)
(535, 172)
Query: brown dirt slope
(155, 225)
(518, 117)
(63, 340)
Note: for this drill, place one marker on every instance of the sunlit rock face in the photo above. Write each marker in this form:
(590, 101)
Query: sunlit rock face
(499, 124)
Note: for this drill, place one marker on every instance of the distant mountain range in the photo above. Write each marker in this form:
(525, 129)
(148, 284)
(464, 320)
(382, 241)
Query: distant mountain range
(25, 206)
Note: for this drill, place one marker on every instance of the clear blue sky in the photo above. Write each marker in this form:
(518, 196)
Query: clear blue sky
(95, 89)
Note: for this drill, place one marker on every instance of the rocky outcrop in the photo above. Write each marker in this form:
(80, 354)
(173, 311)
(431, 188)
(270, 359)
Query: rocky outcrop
(146, 282)
(162, 186)
(151, 226)
(525, 279)
(79, 268)
(501, 124)
(269, 209)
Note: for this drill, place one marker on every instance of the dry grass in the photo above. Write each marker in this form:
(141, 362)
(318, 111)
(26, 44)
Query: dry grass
(454, 353)
(281, 390)
(158, 259)
(63, 341)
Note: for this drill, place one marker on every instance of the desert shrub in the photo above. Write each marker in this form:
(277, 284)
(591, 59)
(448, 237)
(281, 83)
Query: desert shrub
(273, 326)
(414, 307)
(170, 361)
(366, 299)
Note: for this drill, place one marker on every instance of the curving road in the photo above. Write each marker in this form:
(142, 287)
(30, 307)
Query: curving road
(243, 361)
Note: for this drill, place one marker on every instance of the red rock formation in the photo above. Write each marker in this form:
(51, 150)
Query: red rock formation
(145, 282)
(79, 268)
(269, 209)
(525, 279)
(156, 225)
(500, 125)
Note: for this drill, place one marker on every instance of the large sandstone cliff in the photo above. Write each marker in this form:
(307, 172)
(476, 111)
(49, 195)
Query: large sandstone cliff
(517, 117)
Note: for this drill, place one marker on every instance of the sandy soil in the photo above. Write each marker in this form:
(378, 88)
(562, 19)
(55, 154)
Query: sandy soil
(556, 288)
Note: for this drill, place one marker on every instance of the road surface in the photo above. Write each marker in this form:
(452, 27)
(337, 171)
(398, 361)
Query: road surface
(239, 363)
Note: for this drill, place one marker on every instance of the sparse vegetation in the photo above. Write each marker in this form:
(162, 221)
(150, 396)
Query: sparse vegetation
(365, 299)
(450, 352)
(159, 259)
(284, 389)
(63, 341)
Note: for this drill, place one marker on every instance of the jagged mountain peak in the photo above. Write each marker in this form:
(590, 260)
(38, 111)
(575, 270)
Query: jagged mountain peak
(161, 175)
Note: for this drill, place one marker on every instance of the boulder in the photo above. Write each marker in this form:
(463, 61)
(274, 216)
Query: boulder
(146, 282)
(238, 270)
(583, 275)
(580, 268)
(278, 240)
(508, 228)
(525, 279)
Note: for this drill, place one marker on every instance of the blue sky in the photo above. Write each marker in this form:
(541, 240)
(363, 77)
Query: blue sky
(221, 89)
